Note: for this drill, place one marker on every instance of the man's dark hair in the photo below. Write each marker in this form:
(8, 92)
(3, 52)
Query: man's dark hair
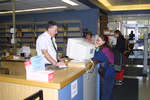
(50, 24)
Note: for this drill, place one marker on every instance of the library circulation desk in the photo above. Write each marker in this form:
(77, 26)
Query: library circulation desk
(66, 85)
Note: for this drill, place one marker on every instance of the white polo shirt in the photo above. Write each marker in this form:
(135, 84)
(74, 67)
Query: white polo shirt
(44, 42)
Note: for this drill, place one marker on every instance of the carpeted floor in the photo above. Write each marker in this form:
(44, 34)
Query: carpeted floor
(127, 91)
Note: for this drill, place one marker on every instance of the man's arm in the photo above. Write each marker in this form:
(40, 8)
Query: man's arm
(50, 59)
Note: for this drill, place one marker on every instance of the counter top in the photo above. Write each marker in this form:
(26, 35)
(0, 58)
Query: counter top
(21, 59)
(61, 78)
(13, 60)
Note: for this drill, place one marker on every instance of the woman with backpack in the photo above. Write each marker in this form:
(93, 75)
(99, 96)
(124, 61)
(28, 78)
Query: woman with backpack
(119, 58)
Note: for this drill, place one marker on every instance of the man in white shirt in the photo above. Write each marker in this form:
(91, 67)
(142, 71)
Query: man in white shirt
(46, 45)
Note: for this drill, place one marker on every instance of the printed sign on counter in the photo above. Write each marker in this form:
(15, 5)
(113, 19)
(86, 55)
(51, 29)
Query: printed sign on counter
(74, 88)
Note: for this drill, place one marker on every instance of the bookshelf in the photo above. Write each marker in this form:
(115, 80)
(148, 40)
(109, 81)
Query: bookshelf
(27, 33)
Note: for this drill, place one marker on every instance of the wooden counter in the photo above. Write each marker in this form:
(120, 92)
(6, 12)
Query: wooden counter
(16, 87)
(61, 77)
(10, 59)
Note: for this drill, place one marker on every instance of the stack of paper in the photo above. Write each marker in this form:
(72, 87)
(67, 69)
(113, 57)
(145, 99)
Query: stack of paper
(38, 63)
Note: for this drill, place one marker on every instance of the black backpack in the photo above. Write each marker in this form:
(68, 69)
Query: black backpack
(119, 60)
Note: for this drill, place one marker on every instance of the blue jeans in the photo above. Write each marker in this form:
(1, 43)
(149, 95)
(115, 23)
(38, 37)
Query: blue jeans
(108, 84)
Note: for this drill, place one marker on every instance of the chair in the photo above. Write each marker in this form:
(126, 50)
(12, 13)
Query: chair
(35, 96)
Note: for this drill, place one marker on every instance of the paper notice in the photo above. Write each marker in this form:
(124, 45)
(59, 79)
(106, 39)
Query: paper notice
(74, 88)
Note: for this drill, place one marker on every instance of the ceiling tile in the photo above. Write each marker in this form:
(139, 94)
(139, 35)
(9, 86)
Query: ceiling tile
(31, 4)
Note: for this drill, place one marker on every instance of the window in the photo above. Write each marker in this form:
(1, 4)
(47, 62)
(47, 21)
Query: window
(131, 22)
(145, 22)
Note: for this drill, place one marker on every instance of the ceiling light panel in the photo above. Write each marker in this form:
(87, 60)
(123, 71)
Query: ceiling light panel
(36, 9)
(32, 4)
(111, 7)
(70, 2)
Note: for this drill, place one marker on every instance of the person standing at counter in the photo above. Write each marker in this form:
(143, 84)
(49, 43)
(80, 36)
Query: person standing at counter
(120, 58)
(46, 45)
(104, 55)
(88, 37)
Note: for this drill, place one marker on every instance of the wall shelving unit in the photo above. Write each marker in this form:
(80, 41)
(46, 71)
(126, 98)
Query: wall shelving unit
(27, 33)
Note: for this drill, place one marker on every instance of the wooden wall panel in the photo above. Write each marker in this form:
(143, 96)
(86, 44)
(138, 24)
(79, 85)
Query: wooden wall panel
(10, 91)
(15, 68)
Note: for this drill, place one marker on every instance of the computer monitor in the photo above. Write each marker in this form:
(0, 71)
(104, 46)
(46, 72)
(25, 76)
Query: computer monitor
(79, 49)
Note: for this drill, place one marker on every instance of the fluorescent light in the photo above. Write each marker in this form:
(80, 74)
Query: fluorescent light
(105, 2)
(130, 7)
(111, 7)
(70, 2)
(36, 9)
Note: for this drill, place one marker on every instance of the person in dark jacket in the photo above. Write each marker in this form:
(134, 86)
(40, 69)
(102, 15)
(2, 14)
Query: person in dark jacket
(119, 58)
(120, 45)
(131, 36)
(105, 57)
